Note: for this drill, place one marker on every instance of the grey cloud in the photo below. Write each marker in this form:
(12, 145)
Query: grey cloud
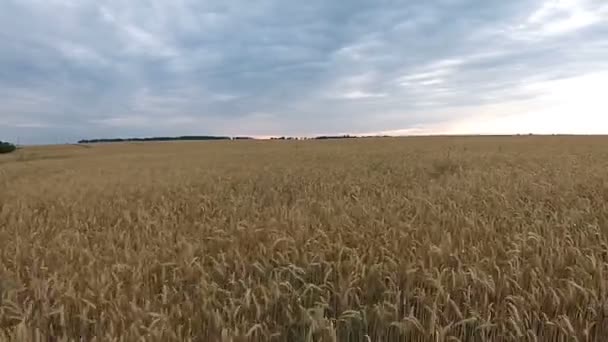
(73, 69)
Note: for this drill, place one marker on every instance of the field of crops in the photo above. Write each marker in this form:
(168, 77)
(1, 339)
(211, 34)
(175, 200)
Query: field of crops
(384, 239)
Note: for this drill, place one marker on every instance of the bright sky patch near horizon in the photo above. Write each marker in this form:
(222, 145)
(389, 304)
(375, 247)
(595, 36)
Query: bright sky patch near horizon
(99, 69)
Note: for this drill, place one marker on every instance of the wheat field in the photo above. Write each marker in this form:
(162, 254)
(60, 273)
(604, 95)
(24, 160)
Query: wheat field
(378, 239)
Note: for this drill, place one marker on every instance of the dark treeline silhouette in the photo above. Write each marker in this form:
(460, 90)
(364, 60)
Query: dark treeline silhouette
(328, 137)
(206, 137)
(6, 147)
(325, 137)
(182, 138)
(287, 138)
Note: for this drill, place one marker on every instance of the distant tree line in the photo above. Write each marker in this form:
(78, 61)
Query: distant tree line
(287, 138)
(327, 137)
(207, 137)
(323, 137)
(182, 138)
(6, 147)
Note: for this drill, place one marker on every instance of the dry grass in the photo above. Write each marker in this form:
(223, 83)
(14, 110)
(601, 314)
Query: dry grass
(414, 239)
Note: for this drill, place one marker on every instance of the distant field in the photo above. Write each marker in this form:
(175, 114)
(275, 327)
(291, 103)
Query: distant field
(392, 239)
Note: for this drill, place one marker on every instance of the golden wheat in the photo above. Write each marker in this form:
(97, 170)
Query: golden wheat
(411, 239)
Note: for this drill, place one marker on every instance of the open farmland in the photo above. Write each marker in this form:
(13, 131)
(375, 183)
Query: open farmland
(391, 239)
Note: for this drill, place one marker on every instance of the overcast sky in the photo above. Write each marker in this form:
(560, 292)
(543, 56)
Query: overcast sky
(72, 69)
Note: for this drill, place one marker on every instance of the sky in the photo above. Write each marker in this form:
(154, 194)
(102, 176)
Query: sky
(74, 69)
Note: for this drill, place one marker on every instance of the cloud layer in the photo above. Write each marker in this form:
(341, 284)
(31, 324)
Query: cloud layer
(75, 69)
